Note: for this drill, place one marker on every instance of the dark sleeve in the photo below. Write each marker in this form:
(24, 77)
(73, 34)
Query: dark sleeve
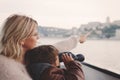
(73, 72)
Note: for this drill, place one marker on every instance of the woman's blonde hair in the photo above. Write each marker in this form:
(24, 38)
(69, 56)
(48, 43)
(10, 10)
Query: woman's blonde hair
(15, 29)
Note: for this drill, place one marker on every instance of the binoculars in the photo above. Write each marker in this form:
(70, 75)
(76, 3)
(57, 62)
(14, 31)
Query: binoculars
(78, 57)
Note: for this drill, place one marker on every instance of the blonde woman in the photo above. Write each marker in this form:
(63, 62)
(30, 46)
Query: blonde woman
(19, 34)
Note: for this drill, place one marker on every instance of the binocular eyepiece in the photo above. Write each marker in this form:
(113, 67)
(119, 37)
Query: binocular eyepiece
(78, 57)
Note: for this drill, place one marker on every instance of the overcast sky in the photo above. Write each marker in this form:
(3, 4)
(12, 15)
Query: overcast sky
(62, 13)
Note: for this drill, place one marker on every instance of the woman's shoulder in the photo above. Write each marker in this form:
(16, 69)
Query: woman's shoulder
(12, 69)
(4, 61)
(7, 64)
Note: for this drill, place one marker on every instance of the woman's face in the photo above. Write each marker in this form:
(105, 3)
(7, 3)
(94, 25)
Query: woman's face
(30, 42)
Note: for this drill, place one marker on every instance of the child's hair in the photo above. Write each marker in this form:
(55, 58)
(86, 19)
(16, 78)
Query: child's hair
(41, 54)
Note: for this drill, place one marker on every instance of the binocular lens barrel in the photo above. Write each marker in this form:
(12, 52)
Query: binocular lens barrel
(78, 57)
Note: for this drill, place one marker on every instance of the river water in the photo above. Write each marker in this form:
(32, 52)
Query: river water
(102, 53)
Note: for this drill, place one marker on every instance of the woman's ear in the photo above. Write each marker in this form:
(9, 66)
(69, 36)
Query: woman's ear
(22, 42)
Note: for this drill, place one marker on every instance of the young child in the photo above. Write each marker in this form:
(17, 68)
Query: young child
(42, 64)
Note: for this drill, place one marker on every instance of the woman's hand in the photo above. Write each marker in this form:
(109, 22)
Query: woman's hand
(84, 37)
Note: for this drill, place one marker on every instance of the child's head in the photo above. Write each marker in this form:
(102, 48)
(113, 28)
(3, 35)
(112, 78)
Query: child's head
(42, 54)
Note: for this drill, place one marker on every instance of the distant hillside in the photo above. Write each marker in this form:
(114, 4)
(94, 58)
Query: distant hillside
(98, 31)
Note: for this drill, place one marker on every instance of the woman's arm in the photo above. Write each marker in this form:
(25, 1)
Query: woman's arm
(70, 43)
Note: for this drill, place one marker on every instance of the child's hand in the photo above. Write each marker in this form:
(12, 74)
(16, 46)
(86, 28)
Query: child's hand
(67, 58)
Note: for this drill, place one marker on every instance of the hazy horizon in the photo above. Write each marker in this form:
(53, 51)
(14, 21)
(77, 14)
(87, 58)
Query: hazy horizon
(62, 13)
